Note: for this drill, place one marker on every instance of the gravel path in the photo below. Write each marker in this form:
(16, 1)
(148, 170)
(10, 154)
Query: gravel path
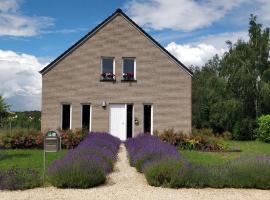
(127, 184)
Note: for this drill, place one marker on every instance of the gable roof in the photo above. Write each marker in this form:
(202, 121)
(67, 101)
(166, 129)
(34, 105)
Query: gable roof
(108, 19)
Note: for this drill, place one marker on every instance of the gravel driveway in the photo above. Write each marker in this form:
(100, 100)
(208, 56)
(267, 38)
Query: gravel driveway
(127, 184)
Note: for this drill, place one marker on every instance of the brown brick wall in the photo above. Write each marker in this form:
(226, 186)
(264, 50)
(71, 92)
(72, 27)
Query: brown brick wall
(76, 80)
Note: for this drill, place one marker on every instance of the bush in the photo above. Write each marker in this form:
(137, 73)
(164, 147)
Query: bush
(21, 138)
(263, 131)
(243, 172)
(144, 150)
(86, 165)
(244, 129)
(162, 173)
(19, 179)
(200, 139)
(71, 138)
(77, 174)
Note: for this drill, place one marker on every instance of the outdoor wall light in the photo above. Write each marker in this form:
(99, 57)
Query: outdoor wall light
(104, 105)
(136, 121)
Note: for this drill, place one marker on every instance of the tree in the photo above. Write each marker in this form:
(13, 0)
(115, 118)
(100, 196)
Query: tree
(231, 92)
(4, 109)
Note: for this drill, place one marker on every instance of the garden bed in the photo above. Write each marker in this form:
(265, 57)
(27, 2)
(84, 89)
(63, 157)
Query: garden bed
(162, 166)
(84, 166)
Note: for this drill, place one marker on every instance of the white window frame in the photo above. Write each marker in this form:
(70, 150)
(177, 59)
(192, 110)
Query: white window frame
(152, 120)
(101, 63)
(123, 58)
(61, 115)
(90, 119)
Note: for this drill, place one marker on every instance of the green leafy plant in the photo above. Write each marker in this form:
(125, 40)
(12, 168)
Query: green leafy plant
(20, 138)
(263, 131)
(203, 140)
(244, 129)
(71, 138)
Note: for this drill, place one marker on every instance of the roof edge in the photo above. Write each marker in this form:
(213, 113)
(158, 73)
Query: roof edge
(85, 37)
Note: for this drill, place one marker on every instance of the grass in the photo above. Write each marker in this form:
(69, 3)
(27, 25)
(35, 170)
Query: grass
(218, 158)
(25, 158)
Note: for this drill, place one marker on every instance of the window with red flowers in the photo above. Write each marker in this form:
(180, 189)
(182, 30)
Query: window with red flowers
(107, 69)
(129, 69)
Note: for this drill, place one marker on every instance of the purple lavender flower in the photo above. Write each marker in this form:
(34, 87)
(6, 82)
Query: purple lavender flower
(89, 162)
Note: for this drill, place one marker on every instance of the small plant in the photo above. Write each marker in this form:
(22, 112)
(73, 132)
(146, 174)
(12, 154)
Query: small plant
(128, 76)
(263, 131)
(19, 179)
(108, 76)
(71, 138)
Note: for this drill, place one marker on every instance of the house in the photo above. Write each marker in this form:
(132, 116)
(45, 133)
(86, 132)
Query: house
(117, 78)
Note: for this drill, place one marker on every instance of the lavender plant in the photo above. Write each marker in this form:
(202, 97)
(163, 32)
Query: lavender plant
(146, 150)
(19, 179)
(86, 165)
(163, 166)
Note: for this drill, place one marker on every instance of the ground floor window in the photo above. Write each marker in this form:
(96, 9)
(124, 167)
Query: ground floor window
(86, 116)
(66, 116)
(147, 118)
(129, 120)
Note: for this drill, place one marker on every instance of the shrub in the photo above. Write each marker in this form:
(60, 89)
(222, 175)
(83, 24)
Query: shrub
(244, 129)
(144, 150)
(71, 138)
(21, 138)
(162, 173)
(86, 165)
(19, 179)
(243, 172)
(203, 140)
(263, 131)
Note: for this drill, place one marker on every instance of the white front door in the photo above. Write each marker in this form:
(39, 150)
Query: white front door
(118, 120)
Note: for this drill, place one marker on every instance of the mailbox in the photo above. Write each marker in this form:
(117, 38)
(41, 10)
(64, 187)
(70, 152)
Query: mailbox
(52, 141)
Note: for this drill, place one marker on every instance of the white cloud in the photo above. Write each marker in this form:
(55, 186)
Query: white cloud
(13, 23)
(19, 77)
(184, 15)
(199, 52)
(263, 11)
(218, 40)
(193, 54)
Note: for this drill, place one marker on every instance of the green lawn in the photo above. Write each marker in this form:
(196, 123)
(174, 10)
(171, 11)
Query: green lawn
(25, 158)
(34, 157)
(215, 158)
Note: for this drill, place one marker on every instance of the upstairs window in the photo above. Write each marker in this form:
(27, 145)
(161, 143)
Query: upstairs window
(129, 69)
(107, 69)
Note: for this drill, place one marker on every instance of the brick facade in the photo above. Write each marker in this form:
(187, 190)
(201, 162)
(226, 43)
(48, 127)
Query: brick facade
(75, 79)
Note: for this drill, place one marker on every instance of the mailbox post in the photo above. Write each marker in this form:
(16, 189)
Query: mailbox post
(52, 143)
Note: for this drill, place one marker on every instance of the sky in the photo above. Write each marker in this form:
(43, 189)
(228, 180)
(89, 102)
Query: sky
(34, 32)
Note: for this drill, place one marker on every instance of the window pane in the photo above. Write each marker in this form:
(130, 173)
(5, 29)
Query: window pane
(65, 117)
(86, 117)
(128, 66)
(107, 65)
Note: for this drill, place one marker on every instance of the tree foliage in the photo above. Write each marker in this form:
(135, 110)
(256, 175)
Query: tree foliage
(231, 92)
(4, 108)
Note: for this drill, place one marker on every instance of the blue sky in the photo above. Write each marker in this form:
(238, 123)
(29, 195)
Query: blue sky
(34, 32)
